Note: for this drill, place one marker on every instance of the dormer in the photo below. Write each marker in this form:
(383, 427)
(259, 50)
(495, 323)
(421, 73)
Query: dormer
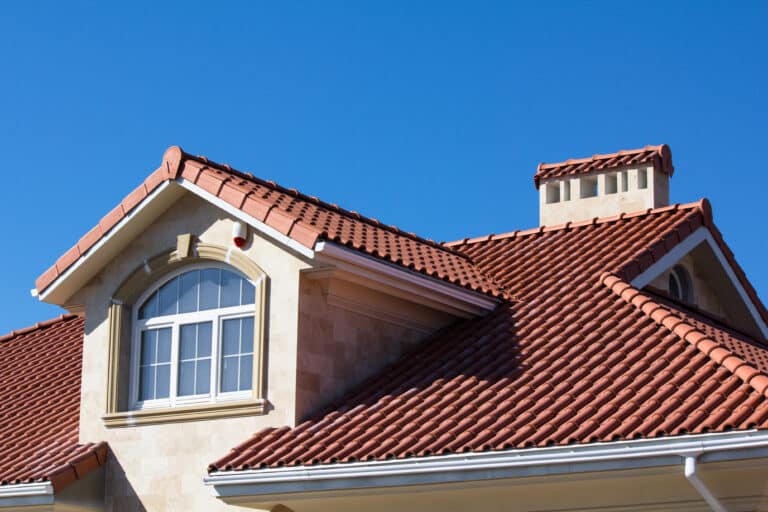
(604, 185)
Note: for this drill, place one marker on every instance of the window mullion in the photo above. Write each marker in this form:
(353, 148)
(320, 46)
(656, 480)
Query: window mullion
(173, 385)
(215, 363)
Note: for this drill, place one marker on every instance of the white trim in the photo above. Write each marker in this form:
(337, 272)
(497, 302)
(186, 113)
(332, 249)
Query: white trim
(105, 239)
(693, 240)
(19, 495)
(693, 477)
(304, 481)
(413, 284)
(248, 219)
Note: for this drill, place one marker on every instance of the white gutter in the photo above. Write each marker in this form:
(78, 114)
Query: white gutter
(303, 481)
(244, 217)
(701, 488)
(408, 281)
(21, 495)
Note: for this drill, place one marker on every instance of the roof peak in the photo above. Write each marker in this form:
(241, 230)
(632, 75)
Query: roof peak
(660, 156)
(702, 204)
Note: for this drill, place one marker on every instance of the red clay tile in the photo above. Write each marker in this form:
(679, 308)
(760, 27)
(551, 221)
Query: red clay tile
(40, 440)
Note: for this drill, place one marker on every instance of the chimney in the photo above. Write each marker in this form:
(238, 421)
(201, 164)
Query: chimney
(604, 185)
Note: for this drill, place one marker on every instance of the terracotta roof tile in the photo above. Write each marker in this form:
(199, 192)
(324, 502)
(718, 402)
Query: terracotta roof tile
(659, 156)
(303, 218)
(581, 357)
(40, 410)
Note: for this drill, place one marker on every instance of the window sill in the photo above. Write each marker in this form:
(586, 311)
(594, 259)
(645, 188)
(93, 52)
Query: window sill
(185, 413)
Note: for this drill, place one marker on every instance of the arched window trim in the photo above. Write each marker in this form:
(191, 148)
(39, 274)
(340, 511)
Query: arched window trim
(216, 316)
(684, 284)
(188, 251)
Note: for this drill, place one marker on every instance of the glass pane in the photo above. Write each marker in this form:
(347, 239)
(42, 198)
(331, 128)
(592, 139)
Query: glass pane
(204, 339)
(148, 346)
(164, 345)
(149, 309)
(229, 373)
(187, 378)
(187, 341)
(246, 372)
(163, 384)
(169, 297)
(188, 291)
(203, 377)
(249, 293)
(231, 337)
(209, 289)
(146, 382)
(247, 344)
(230, 289)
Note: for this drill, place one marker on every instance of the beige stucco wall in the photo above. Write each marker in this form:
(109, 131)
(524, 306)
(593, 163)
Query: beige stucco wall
(603, 205)
(164, 464)
(347, 333)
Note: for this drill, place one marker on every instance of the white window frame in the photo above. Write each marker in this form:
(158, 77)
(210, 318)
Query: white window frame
(215, 316)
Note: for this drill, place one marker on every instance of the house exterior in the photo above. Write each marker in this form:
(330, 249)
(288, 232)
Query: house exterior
(231, 344)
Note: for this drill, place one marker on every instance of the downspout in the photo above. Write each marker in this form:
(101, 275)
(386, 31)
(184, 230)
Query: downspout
(701, 488)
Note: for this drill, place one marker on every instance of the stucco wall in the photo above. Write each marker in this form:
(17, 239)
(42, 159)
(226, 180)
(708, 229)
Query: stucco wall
(339, 346)
(164, 464)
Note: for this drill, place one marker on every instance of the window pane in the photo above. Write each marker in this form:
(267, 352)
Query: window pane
(246, 372)
(229, 373)
(203, 377)
(146, 383)
(187, 337)
(164, 345)
(204, 339)
(249, 293)
(149, 309)
(209, 289)
(230, 289)
(163, 383)
(188, 291)
(247, 339)
(148, 346)
(169, 296)
(231, 337)
(187, 378)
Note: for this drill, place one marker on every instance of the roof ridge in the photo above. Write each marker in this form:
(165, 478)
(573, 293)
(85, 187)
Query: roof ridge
(702, 204)
(315, 200)
(38, 326)
(602, 156)
(664, 316)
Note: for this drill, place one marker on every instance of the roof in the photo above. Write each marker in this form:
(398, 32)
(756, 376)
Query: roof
(305, 219)
(580, 357)
(659, 156)
(40, 411)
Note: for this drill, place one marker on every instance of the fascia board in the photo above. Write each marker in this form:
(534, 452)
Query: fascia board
(301, 482)
(701, 235)
(26, 495)
(79, 272)
(411, 284)
(239, 214)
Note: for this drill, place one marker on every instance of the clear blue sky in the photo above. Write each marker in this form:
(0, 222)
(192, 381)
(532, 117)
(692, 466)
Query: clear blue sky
(428, 115)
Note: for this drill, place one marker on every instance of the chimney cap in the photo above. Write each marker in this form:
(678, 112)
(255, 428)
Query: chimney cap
(660, 156)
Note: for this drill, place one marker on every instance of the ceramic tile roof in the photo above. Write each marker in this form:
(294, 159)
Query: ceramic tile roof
(578, 357)
(303, 218)
(40, 407)
(660, 156)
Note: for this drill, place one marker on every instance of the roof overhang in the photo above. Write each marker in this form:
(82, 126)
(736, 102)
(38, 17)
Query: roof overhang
(397, 280)
(272, 485)
(698, 237)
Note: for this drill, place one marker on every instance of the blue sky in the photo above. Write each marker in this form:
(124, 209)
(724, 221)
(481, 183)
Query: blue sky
(428, 115)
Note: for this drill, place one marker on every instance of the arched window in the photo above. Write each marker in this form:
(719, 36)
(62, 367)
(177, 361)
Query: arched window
(193, 339)
(680, 284)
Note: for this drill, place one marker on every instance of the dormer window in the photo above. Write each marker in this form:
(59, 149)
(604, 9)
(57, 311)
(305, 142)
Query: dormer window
(193, 339)
(680, 284)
